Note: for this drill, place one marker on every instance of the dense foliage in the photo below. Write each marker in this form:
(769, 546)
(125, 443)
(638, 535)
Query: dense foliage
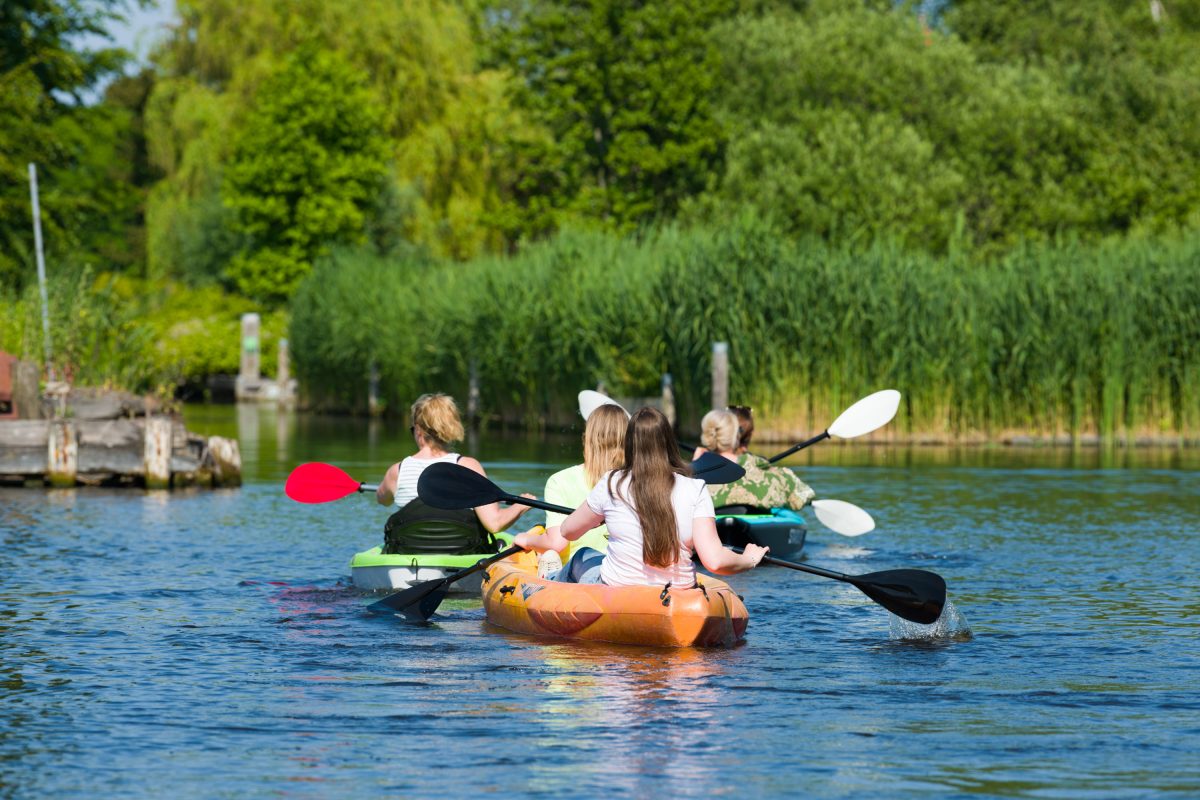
(602, 172)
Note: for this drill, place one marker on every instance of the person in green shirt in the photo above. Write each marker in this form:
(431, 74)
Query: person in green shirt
(603, 450)
(764, 485)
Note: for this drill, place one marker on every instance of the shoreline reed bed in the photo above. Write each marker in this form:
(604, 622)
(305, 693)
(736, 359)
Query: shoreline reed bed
(1050, 340)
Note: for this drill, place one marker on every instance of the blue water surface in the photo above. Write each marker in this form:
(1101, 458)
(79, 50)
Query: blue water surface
(209, 644)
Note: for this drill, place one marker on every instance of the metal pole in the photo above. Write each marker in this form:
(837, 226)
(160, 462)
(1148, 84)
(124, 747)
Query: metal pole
(41, 266)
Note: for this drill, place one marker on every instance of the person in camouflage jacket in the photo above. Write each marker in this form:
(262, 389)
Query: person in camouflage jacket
(764, 485)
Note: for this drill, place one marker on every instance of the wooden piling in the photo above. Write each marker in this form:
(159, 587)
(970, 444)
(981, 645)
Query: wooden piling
(157, 452)
(62, 453)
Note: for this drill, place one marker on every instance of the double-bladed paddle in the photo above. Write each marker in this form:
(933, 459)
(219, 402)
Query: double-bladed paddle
(323, 483)
(868, 414)
(913, 594)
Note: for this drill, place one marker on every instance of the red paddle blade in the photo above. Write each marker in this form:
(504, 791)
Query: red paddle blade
(319, 483)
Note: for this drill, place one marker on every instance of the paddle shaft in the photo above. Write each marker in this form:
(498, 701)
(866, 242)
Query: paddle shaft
(542, 504)
(799, 447)
(687, 447)
(824, 573)
(503, 554)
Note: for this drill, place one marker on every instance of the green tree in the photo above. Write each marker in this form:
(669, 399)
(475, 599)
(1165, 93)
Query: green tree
(44, 76)
(452, 132)
(306, 166)
(624, 90)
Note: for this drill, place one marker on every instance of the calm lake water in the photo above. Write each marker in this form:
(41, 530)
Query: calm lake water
(208, 643)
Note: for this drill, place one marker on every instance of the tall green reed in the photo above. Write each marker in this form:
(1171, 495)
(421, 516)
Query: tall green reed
(1053, 339)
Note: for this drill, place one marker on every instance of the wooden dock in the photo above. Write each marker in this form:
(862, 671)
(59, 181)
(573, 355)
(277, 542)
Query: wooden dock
(154, 452)
(96, 437)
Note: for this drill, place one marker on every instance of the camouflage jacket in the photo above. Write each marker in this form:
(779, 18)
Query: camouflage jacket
(764, 485)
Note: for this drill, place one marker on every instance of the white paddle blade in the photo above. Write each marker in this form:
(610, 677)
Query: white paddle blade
(869, 414)
(842, 517)
(589, 401)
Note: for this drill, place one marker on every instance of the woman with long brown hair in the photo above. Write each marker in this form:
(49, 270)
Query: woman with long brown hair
(656, 513)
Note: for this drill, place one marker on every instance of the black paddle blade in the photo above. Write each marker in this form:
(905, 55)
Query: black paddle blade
(414, 604)
(450, 486)
(913, 594)
(715, 469)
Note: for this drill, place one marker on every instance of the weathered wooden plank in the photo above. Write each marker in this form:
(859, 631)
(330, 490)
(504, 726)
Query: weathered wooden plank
(183, 463)
(24, 433)
(105, 459)
(125, 433)
(23, 460)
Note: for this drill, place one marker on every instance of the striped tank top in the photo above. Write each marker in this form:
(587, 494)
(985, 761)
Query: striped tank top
(410, 470)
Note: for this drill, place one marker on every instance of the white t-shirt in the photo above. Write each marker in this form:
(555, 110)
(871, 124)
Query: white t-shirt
(623, 564)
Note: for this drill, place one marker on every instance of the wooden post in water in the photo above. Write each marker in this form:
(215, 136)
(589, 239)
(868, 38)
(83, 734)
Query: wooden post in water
(373, 407)
(283, 375)
(62, 452)
(668, 398)
(250, 373)
(720, 375)
(473, 393)
(157, 452)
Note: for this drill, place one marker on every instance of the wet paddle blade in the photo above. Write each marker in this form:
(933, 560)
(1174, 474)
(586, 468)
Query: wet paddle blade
(913, 594)
(589, 401)
(414, 604)
(715, 469)
(842, 517)
(319, 483)
(869, 414)
(451, 486)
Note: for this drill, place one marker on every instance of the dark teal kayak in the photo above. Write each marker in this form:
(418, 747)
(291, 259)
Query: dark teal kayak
(780, 529)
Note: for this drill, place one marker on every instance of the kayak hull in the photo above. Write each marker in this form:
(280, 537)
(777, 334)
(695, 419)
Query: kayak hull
(374, 571)
(782, 530)
(515, 599)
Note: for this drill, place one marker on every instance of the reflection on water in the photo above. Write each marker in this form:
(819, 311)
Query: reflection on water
(207, 643)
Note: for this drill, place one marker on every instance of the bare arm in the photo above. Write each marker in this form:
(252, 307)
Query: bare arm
(552, 539)
(493, 517)
(715, 556)
(582, 520)
(385, 495)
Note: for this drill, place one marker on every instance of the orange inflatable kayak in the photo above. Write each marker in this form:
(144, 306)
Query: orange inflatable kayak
(516, 599)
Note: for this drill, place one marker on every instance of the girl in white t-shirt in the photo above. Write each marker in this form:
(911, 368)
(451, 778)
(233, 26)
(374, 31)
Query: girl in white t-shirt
(657, 515)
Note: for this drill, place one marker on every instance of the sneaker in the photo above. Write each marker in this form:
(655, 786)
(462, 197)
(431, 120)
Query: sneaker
(549, 563)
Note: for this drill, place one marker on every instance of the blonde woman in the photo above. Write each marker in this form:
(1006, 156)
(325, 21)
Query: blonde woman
(436, 427)
(763, 485)
(603, 450)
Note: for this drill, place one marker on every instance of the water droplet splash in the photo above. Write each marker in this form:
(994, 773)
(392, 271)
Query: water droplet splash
(950, 625)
